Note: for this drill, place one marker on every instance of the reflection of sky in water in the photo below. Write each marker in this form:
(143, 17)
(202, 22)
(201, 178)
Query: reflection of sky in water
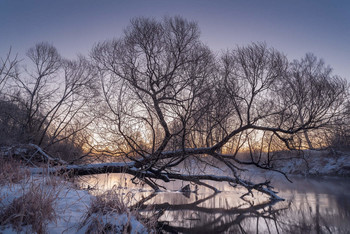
(311, 206)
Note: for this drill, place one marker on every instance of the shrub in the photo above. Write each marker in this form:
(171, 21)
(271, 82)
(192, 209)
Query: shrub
(11, 171)
(109, 213)
(35, 207)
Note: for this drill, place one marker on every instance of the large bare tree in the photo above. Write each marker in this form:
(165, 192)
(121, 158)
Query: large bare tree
(168, 98)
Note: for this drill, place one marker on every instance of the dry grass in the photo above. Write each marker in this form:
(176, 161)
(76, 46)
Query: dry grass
(35, 208)
(110, 201)
(108, 204)
(30, 201)
(11, 171)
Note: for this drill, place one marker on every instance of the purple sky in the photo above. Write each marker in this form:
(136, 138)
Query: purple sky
(293, 27)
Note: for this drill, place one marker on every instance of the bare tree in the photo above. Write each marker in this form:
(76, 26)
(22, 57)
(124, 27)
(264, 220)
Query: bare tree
(313, 95)
(169, 99)
(7, 68)
(54, 94)
(169, 102)
(338, 134)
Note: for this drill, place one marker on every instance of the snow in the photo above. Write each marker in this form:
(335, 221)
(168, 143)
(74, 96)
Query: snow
(119, 220)
(71, 205)
(318, 163)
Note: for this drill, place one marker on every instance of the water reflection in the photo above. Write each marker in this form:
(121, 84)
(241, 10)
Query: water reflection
(311, 206)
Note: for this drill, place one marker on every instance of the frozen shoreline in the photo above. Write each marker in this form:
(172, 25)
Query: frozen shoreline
(317, 163)
(71, 206)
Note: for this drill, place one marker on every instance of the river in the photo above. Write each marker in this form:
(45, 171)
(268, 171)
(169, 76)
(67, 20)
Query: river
(312, 205)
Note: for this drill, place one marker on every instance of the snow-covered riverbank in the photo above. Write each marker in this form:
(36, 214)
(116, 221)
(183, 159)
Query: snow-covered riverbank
(316, 163)
(49, 204)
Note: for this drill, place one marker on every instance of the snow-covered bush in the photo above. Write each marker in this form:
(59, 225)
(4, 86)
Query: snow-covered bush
(109, 213)
(33, 205)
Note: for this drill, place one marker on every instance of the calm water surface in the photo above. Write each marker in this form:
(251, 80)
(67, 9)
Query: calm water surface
(311, 205)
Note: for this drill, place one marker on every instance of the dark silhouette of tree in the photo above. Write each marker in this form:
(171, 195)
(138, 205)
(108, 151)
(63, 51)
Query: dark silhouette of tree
(169, 98)
(48, 99)
(315, 95)
(8, 67)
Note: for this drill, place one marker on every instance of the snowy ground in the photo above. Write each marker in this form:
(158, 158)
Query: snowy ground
(317, 163)
(71, 206)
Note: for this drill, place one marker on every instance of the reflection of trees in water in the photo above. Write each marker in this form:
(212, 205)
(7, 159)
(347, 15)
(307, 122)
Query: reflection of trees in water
(197, 217)
(315, 207)
(307, 213)
(315, 213)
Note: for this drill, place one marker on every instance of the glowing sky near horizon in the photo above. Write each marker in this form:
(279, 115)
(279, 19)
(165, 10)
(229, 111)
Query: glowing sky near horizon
(292, 27)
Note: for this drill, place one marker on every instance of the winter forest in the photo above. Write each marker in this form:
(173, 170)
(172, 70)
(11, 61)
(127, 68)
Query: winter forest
(157, 106)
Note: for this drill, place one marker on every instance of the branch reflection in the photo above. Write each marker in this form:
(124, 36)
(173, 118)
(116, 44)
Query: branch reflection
(205, 216)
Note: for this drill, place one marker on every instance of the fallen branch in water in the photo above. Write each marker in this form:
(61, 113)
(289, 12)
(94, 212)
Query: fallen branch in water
(32, 153)
(149, 176)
